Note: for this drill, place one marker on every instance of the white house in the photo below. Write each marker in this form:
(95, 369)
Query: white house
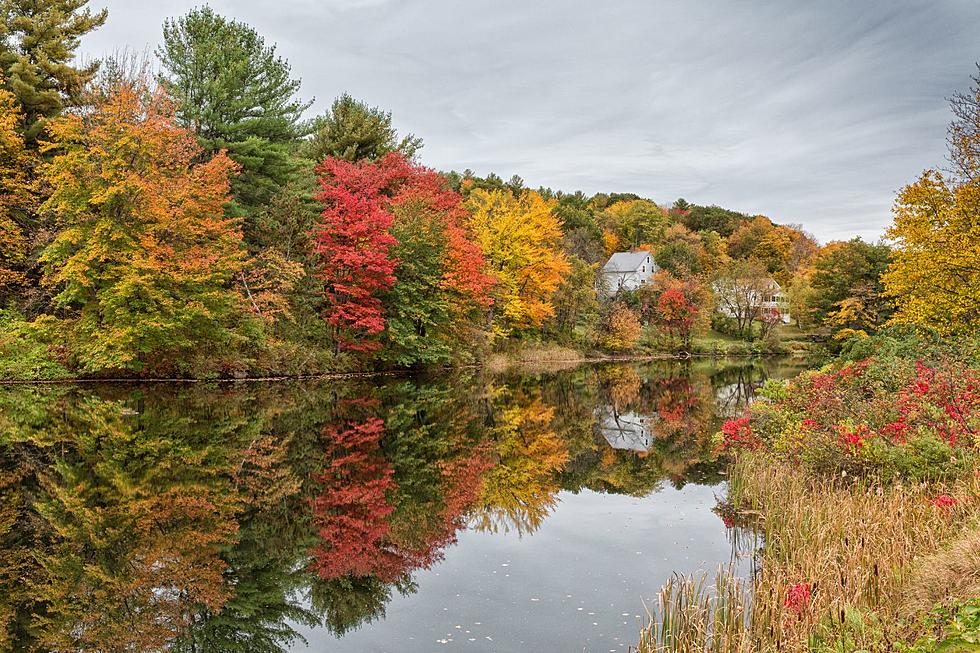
(628, 431)
(744, 297)
(626, 271)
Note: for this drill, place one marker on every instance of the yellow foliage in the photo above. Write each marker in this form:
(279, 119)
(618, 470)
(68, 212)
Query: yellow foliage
(520, 490)
(624, 329)
(610, 242)
(520, 238)
(15, 192)
(935, 275)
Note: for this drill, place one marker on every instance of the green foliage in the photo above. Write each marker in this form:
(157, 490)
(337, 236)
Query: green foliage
(710, 218)
(27, 348)
(351, 130)
(954, 629)
(38, 40)
(847, 283)
(419, 318)
(237, 95)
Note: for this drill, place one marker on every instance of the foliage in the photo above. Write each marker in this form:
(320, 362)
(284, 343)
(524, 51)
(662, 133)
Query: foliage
(30, 350)
(398, 260)
(635, 222)
(846, 280)
(38, 41)
(17, 197)
(520, 239)
(934, 278)
(739, 288)
(237, 96)
(887, 417)
(353, 131)
(145, 253)
(354, 243)
(623, 328)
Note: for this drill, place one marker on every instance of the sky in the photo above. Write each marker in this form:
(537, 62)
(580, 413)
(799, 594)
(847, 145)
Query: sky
(811, 113)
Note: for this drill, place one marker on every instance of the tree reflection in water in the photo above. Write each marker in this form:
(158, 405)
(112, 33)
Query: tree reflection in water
(220, 518)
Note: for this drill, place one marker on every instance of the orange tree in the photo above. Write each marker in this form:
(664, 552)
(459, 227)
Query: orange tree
(145, 254)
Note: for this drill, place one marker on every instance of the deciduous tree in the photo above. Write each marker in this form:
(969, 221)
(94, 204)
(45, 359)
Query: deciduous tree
(934, 278)
(17, 198)
(398, 259)
(145, 254)
(520, 237)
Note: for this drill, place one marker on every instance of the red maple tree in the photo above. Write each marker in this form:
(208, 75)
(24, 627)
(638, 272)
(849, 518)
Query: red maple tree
(354, 241)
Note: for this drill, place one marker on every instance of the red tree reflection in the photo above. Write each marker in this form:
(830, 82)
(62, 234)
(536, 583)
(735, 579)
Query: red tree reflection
(353, 513)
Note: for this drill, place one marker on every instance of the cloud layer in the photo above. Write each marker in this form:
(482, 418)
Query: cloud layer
(809, 112)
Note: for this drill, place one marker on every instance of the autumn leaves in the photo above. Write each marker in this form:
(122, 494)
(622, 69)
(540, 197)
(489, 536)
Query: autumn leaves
(414, 271)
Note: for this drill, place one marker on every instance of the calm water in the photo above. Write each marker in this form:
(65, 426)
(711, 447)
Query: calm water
(467, 512)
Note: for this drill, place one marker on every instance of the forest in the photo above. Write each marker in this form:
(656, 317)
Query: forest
(179, 215)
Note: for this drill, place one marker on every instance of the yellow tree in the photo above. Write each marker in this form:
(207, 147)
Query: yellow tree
(934, 276)
(16, 198)
(520, 237)
(520, 490)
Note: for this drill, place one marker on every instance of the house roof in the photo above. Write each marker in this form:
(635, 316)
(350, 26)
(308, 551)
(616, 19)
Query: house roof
(625, 261)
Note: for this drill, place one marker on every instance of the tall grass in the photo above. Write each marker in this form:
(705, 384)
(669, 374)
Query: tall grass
(694, 617)
(856, 547)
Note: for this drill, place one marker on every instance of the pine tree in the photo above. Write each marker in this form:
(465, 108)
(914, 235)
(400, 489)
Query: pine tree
(38, 39)
(353, 131)
(237, 95)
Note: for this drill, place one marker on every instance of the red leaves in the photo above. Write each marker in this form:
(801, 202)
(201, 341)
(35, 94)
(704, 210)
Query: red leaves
(737, 434)
(944, 501)
(354, 241)
(675, 312)
(352, 511)
(798, 597)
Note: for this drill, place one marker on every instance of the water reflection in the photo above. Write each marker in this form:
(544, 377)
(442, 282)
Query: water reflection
(193, 518)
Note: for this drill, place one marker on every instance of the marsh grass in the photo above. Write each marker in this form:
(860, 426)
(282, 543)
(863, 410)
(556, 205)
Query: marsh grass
(858, 547)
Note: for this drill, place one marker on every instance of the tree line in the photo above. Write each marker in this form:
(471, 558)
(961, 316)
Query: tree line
(179, 214)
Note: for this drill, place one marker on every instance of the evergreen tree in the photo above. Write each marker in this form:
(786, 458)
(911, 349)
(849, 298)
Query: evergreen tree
(352, 131)
(38, 39)
(237, 95)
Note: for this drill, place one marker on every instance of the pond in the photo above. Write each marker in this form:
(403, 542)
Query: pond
(469, 512)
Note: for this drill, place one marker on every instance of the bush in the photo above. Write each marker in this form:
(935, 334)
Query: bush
(911, 411)
(30, 350)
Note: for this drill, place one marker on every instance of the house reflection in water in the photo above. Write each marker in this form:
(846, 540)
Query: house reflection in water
(628, 431)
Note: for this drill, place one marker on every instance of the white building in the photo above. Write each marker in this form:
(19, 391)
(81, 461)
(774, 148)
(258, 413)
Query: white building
(626, 271)
(744, 297)
(627, 431)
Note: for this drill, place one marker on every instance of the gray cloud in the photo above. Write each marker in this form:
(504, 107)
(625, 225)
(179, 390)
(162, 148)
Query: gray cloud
(809, 112)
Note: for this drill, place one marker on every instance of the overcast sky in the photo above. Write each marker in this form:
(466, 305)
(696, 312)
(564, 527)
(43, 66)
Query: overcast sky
(808, 112)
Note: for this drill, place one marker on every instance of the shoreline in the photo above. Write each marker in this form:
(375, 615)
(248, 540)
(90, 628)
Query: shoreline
(507, 364)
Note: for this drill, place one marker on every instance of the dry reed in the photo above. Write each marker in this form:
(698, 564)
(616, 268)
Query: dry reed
(833, 548)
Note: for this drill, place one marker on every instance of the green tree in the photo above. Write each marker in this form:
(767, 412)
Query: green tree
(847, 275)
(353, 131)
(38, 39)
(237, 95)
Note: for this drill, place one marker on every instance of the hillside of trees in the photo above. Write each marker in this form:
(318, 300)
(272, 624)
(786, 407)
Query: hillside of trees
(181, 216)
